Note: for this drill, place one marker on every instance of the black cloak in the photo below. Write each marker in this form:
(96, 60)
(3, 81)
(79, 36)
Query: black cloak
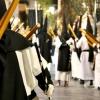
(45, 42)
(64, 51)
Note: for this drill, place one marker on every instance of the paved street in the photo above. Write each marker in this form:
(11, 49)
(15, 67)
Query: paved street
(75, 91)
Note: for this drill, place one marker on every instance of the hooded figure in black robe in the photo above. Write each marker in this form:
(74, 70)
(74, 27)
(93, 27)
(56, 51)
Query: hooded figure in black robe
(75, 63)
(64, 66)
(45, 42)
(11, 80)
(64, 52)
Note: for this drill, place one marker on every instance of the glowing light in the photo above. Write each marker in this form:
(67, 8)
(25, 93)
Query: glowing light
(51, 10)
(84, 5)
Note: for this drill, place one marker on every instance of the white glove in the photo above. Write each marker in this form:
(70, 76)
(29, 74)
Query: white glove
(72, 47)
(34, 38)
(94, 44)
(76, 39)
(98, 50)
(98, 46)
(83, 34)
(50, 90)
(69, 41)
(58, 42)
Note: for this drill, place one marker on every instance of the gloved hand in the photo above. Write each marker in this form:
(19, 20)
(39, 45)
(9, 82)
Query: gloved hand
(58, 42)
(98, 46)
(76, 40)
(94, 45)
(68, 42)
(72, 47)
(49, 91)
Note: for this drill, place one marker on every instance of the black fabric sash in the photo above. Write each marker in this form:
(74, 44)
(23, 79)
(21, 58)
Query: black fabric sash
(91, 55)
(85, 51)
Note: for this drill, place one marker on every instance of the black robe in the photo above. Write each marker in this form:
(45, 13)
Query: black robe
(49, 88)
(45, 71)
(45, 44)
(11, 80)
(63, 59)
(64, 55)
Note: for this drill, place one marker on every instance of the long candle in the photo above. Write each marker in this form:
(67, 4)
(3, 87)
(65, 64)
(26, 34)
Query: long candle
(89, 37)
(14, 27)
(33, 30)
(72, 31)
(90, 44)
(20, 27)
(27, 30)
(52, 34)
(7, 19)
(3, 18)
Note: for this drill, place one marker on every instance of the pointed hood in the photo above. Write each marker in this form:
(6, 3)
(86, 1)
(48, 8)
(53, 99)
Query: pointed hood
(79, 32)
(2, 8)
(23, 1)
(44, 28)
(55, 30)
(70, 33)
(89, 27)
(64, 26)
(64, 33)
(40, 19)
(76, 28)
(31, 18)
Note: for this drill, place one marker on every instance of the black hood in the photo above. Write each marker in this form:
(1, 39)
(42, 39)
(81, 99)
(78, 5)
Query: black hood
(89, 27)
(40, 19)
(3, 10)
(79, 32)
(64, 33)
(55, 30)
(76, 28)
(23, 1)
(44, 28)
